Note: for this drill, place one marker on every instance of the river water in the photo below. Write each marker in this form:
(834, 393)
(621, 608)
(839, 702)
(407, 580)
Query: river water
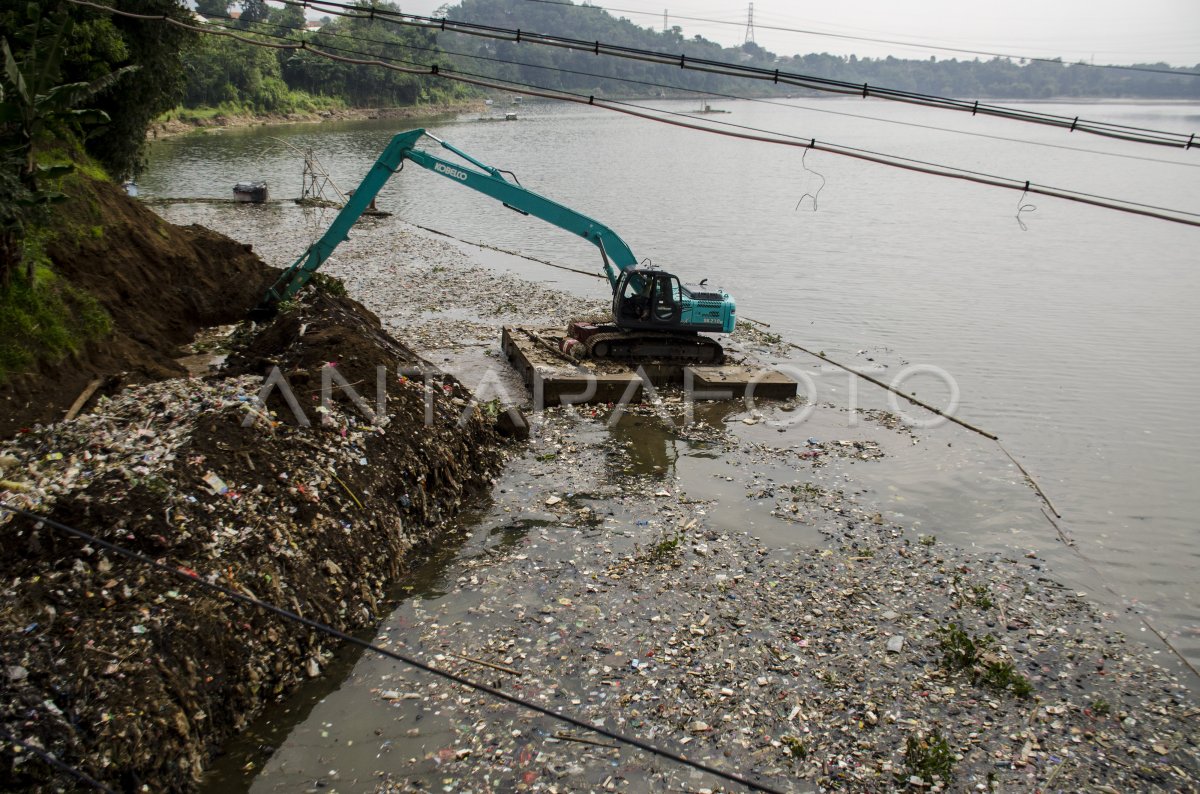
(1072, 339)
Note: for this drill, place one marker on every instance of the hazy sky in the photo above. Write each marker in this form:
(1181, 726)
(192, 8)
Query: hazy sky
(1110, 31)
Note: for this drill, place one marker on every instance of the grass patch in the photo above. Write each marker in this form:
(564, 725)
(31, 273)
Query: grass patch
(795, 747)
(46, 319)
(980, 597)
(285, 102)
(667, 546)
(329, 285)
(963, 652)
(960, 650)
(929, 757)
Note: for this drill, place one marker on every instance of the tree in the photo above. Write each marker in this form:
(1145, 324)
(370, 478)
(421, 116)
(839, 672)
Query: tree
(288, 17)
(213, 8)
(254, 11)
(33, 112)
(101, 43)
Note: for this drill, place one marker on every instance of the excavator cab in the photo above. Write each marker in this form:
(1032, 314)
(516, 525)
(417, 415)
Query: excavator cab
(648, 298)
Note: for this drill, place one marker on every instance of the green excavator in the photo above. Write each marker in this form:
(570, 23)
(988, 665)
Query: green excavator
(655, 317)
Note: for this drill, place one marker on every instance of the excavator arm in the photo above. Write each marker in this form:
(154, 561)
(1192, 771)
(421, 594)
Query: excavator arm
(483, 178)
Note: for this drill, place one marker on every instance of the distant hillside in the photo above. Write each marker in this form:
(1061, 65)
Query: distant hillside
(576, 71)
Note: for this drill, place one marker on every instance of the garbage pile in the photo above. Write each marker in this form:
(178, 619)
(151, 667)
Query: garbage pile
(882, 660)
(133, 676)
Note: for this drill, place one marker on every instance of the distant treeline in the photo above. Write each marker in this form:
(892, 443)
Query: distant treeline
(995, 78)
(225, 73)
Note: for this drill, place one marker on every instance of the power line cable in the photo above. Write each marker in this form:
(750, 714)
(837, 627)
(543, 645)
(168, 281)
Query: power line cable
(700, 92)
(795, 140)
(777, 76)
(61, 766)
(918, 45)
(236, 595)
(761, 136)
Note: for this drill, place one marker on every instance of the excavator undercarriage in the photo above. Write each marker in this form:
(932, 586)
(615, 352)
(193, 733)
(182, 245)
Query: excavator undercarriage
(607, 341)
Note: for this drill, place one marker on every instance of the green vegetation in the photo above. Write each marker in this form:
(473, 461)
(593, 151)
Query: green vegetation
(226, 76)
(977, 595)
(929, 757)
(77, 90)
(43, 317)
(69, 45)
(998, 77)
(330, 285)
(1000, 676)
(230, 77)
(963, 652)
(1101, 707)
(667, 546)
(41, 125)
(795, 747)
(980, 597)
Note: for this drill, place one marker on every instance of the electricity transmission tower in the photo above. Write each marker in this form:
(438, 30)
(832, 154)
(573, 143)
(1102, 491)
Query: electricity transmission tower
(750, 25)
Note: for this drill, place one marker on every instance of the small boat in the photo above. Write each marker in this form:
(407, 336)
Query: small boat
(250, 192)
(510, 116)
(707, 108)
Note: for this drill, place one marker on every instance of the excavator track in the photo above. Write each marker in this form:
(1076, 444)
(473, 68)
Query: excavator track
(654, 346)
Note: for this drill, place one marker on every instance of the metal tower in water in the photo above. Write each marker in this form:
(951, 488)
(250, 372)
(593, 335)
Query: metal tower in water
(750, 25)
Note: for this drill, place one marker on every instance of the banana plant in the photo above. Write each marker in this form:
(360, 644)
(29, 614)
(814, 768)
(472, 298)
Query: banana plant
(33, 108)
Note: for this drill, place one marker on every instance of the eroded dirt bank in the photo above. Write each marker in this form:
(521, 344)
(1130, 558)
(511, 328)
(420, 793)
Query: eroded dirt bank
(160, 283)
(134, 676)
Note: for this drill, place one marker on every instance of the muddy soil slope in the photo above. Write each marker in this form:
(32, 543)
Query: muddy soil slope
(159, 282)
(131, 674)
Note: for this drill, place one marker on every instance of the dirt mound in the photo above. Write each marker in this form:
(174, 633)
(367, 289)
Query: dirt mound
(134, 676)
(160, 283)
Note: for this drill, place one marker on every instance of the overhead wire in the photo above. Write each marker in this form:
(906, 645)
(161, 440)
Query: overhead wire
(194, 579)
(917, 45)
(650, 114)
(55, 763)
(807, 143)
(228, 21)
(1129, 133)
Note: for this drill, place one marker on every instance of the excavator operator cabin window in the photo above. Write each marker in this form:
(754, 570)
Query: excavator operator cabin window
(635, 297)
(666, 297)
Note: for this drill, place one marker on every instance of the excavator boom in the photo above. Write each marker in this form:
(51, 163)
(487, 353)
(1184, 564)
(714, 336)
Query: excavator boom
(645, 299)
(487, 180)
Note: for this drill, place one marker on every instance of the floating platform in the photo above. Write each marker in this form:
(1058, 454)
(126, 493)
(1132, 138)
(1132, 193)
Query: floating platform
(554, 378)
(251, 192)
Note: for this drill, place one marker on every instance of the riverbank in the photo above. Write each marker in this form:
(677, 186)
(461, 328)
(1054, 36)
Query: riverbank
(181, 123)
(133, 676)
(728, 586)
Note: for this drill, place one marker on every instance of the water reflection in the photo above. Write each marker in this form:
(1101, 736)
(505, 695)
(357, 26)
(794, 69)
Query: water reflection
(650, 444)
